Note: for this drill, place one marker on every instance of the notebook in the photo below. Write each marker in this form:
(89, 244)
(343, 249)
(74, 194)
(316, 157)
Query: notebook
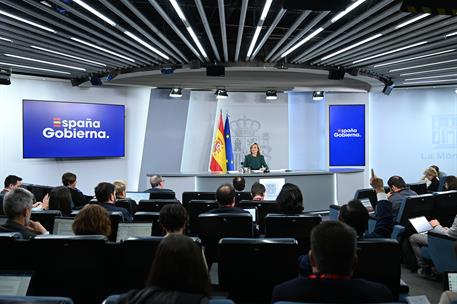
(137, 196)
(452, 281)
(62, 226)
(14, 283)
(420, 224)
(126, 230)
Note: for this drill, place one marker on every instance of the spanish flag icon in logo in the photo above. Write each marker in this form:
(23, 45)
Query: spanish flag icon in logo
(57, 122)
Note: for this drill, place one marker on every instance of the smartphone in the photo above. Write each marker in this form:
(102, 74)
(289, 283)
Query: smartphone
(372, 173)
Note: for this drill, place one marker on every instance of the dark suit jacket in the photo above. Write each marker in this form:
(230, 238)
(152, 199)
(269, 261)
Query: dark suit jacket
(157, 190)
(12, 226)
(228, 210)
(112, 208)
(304, 289)
(77, 197)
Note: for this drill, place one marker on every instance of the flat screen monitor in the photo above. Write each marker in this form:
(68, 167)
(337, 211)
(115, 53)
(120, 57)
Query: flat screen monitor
(55, 129)
(126, 230)
(252, 211)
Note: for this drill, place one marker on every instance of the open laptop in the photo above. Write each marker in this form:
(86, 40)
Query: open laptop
(15, 283)
(252, 211)
(420, 224)
(137, 196)
(126, 230)
(63, 226)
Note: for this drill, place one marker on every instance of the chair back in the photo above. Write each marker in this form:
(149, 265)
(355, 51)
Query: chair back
(115, 217)
(194, 209)
(445, 208)
(263, 208)
(162, 195)
(34, 300)
(136, 259)
(46, 218)
(378, 260)
(419, 188)
(197, 195)
(248, 269)
(213, 227)
(292, 226)
(441, 183)
(149, 217)
(155, 205)
(442, 251)
(242, 196)
(127, 204)
(415, 206)
(72, 266)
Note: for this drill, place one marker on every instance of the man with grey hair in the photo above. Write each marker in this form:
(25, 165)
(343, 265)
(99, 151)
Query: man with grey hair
(157, 184)
(17, 205)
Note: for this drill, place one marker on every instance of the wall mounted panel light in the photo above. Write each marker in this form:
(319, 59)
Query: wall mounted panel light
(318, 95)
(176, 92)
(221, 94)
(271, 95)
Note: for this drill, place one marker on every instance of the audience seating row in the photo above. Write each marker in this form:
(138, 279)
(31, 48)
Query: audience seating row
(88, 269)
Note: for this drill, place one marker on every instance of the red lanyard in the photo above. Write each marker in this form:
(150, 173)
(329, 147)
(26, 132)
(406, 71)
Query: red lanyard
(330, 276)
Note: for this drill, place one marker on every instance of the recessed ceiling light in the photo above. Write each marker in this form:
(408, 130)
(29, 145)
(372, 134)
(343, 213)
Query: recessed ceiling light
(28, 21)
(390, 52)
(137, 39)
(264, 14)
(33, 68)
(450, 35)
(95, 12)
(346, 11)
(413, 58)
(66, 55)
(428, 71)
(46, 62)
(431, 81)
(102, 49)
(431, 77)
(6, 39)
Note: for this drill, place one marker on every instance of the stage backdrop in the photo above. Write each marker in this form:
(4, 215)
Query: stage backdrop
(252, 119)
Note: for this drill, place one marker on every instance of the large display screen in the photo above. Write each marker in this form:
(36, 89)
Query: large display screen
(54, 129)
(347, 135)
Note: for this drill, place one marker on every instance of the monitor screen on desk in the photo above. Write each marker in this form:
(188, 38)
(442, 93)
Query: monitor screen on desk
(126, 230)
(63, 226)
(137, 196)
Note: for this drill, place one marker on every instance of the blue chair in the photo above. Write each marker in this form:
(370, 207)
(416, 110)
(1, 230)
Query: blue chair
(32, 300)
(415, 206)
(334, 211)
(441, 248)
(445, 207)
(113, 299)
(441, 184)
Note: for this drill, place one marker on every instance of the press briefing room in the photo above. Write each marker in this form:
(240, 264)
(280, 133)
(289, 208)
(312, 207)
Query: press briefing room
(229, 151)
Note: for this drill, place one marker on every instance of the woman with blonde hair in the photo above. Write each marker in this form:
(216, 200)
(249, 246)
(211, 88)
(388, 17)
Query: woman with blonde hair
(255, 160)
(431, 179)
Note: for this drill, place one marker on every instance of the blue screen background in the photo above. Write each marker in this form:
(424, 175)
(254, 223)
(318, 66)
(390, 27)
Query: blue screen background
(38, 115)
(346, 151)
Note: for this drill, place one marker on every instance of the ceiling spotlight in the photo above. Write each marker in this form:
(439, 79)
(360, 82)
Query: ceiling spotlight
(221, 94)
(318, 95)
(176, 92)
(271, 95)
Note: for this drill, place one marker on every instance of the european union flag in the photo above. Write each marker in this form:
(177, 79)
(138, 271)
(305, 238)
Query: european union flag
(228, 145)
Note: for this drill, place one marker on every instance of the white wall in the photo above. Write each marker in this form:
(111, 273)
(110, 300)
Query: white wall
(413, 129)
(252, 119)
(89, 172)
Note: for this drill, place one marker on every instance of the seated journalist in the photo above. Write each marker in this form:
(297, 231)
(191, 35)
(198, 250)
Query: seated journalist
(255, 160)
(333, 258)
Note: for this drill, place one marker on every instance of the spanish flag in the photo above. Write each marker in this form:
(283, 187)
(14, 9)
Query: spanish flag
(218, 158)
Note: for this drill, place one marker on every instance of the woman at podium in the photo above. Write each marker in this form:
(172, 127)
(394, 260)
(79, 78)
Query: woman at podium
(255, 160)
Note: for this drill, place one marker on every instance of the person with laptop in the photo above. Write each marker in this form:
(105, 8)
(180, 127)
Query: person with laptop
(106, 197)
(17, 206)
(333, 258)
